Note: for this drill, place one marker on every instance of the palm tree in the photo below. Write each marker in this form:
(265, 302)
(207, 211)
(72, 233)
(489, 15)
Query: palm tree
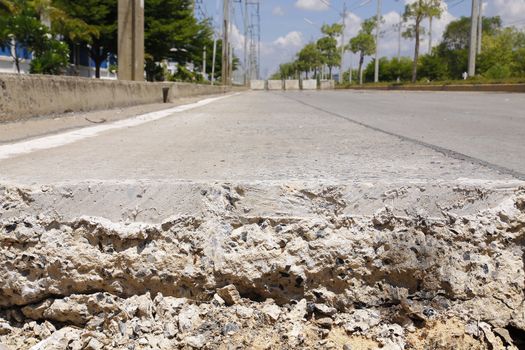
(417, 12)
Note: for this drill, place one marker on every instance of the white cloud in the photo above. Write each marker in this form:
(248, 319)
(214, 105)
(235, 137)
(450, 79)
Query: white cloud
(282, 49)
(312, 5)
(509, 10)
(278, 11)
(236, 38)
(292, 39)
(352, 25)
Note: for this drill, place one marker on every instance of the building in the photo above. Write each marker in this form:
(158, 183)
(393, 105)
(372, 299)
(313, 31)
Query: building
(80, 63)
(7, 63)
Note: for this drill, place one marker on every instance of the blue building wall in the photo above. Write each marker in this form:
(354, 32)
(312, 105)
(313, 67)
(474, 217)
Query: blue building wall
(84, 59)
(22, 52)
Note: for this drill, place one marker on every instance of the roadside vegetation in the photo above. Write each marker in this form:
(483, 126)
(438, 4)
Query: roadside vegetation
(502, 58)
(54, 31)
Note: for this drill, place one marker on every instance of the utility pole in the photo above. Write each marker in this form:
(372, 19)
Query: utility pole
(230, 52)
(350, 71)
(430, 35)
(230, 65)
(246, 78)
(225, 42)
(473, 38)
(253, 48)
(213, 58)
(204, 63)
(480, 26)
(258, 39)
(343, 14)
(131, 40)
(378, 31)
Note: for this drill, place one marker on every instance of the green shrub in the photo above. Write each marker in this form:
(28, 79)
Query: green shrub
(52, 59)
(498, 71)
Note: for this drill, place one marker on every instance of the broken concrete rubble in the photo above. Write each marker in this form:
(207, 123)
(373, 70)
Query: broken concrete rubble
(229, 278)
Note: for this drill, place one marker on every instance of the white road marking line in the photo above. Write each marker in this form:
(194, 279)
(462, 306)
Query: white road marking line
(52, 141)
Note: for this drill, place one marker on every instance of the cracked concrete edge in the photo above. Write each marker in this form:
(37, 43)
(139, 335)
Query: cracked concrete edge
(155, 201)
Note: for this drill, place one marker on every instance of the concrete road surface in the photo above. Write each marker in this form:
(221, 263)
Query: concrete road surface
(489, 127)
(274, 136)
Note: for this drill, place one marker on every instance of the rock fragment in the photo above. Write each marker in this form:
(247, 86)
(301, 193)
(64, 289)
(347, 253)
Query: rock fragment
(272, 312)
(229, 294)
(196, 342)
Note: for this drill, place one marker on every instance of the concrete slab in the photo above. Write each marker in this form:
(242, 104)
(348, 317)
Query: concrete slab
(275, 84)
(310, 84)
(257, 84)
(263, 129)
(291, 85)
(327, 85)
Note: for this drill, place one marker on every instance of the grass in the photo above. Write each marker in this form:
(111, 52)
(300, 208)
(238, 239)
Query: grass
(470, 81)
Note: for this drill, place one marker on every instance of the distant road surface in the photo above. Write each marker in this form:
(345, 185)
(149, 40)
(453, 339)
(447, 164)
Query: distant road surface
(486, 126)
(275, 136)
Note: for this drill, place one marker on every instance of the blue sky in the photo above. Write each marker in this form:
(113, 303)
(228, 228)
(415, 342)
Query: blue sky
(285, 26)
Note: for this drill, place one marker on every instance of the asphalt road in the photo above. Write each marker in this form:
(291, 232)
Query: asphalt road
(331, 136)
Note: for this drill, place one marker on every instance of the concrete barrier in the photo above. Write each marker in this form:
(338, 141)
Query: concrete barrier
(327, 85)
(275, 84)
(257, 84)
(291, 85)
(310, 84)
(26, 96)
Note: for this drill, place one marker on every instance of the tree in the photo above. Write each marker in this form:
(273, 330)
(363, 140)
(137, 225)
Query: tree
(453, 50)
(327, 45)
(218, 60)
(23, 30)
(6, 7)
(288, 70)
(390, 70)
(51, 57)
(101, 18)
(457, 33)
(417, 12)
(364, 43)
(171, 31)
(309, 59)
(19, 28)
(432, 67)
(500, 57)
(400, 69)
